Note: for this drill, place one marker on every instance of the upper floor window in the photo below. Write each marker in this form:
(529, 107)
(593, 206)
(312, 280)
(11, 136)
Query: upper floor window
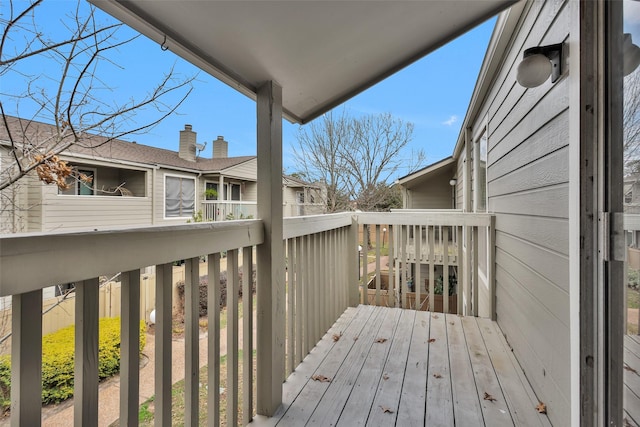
(480, 174)
(180, 196)
(83, 186)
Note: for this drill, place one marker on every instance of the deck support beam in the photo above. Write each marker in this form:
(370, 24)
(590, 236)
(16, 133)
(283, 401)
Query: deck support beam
(270, 254)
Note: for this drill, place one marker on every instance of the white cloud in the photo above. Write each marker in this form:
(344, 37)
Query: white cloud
(451, 120)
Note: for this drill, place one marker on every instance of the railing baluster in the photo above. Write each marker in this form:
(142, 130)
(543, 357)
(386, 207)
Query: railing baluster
(475, 272)
(378, 281)
(316, 289)
(445, 269)
(192, 343)
(291, 307)
(432, 272)
(391, 260)
(232, 337)
(299, 299)
(354, 264)
(213, 344)
(164, 284)
(492, 267)
(417, 283)
(460, 269)
(247, 334)
(85, 389)
(130, 347)
(404, 239)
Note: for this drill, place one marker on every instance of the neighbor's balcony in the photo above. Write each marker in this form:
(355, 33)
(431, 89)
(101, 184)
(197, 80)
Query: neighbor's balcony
(222, 210)
(333, 356)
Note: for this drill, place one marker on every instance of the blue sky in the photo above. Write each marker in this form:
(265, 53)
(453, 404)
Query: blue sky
(433, 93)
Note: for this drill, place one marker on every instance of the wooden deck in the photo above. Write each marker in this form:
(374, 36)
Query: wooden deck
(631, 374)
(387, 366)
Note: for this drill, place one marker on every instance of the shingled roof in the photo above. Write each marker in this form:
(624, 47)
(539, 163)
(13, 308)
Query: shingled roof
(99, 147)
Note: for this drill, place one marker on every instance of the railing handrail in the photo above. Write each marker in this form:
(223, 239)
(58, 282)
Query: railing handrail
(297, 226)
(34, 261)
(426, 218)
(230, 202)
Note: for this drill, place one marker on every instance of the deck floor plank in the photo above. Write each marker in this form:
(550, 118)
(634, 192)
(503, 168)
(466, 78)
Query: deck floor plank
(411, 411)
(492, 401)
(387, 399)
(432, 370)
(439, 406)
(466, 404)
(631, 404)
(302, 406)
(520, 403)
(329, 409)
(358, 405)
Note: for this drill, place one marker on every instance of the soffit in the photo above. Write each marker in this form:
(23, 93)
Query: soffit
(321, 52)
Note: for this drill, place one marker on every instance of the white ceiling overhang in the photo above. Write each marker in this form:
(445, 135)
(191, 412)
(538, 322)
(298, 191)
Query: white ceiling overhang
(320, 52)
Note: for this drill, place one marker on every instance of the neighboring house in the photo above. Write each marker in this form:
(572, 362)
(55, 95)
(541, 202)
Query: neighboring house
(134, 184)
(430, 187)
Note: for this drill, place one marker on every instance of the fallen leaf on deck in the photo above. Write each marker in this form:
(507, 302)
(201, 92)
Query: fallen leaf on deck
(321, 378)
(630, 369)
(488, 397)
(452, 323)
(437, 376)
(541, 408)
(336, 337)
(385, 377)
(431, 340)
(626, 423)
(381, 340)
(435, 316)
(386, 410)
(355, 338)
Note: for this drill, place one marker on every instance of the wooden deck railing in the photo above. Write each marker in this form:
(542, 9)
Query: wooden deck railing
(322, 280)
(223, 210)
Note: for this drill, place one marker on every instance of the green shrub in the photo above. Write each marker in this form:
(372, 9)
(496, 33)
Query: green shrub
(58, 361)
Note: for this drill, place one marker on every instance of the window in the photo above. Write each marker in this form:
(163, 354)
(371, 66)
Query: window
(480, 174)
(234, 189)
(211, 191)
(78, 187)
(179, 197)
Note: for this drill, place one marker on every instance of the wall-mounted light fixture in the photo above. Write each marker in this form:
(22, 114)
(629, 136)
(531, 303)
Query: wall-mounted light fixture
(631, 55)
(538, 64)
(453, 182)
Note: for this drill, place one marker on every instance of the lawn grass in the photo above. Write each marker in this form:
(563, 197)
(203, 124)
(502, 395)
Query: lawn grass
(146, 414)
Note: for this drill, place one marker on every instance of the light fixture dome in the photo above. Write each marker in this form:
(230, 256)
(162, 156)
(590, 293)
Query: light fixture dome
(533, 70)
(631, 55)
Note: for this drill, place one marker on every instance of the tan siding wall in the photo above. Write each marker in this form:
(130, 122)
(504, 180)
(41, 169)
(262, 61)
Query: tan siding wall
(250, 193)
(433, 193)
(34, 200)
(528, 191)
(247, 170)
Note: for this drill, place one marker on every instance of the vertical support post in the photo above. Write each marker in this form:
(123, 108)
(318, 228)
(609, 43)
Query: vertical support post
(26, 359)
(164, 285)
(270, 254)
(130, 347)
(191, 341)
(213, 344)
(85, 389)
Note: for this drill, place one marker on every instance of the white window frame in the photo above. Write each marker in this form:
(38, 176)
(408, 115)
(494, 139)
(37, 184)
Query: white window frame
(164, 195)
(217, 184)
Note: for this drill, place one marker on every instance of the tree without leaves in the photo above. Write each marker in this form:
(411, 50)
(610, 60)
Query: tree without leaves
(67, 91)
(631, 123)
(356, 157)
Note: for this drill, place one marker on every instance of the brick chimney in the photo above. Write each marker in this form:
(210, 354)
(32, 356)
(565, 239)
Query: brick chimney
(187, 144)
(220, 148)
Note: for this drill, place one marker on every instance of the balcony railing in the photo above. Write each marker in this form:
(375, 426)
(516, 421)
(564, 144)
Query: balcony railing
(321, 281)
(222, 210)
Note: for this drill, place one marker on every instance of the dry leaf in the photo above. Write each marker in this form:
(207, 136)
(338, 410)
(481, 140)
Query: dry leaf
(626, 423)
(321, 378)
(355, 338)
(541, 408)
(385, 377)
(437, 376)
(431, 340)
(381, 340)
(488, 397)
(630, 369)
(336, 337)
(386, 410)
(452, 323)
(435, 316)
